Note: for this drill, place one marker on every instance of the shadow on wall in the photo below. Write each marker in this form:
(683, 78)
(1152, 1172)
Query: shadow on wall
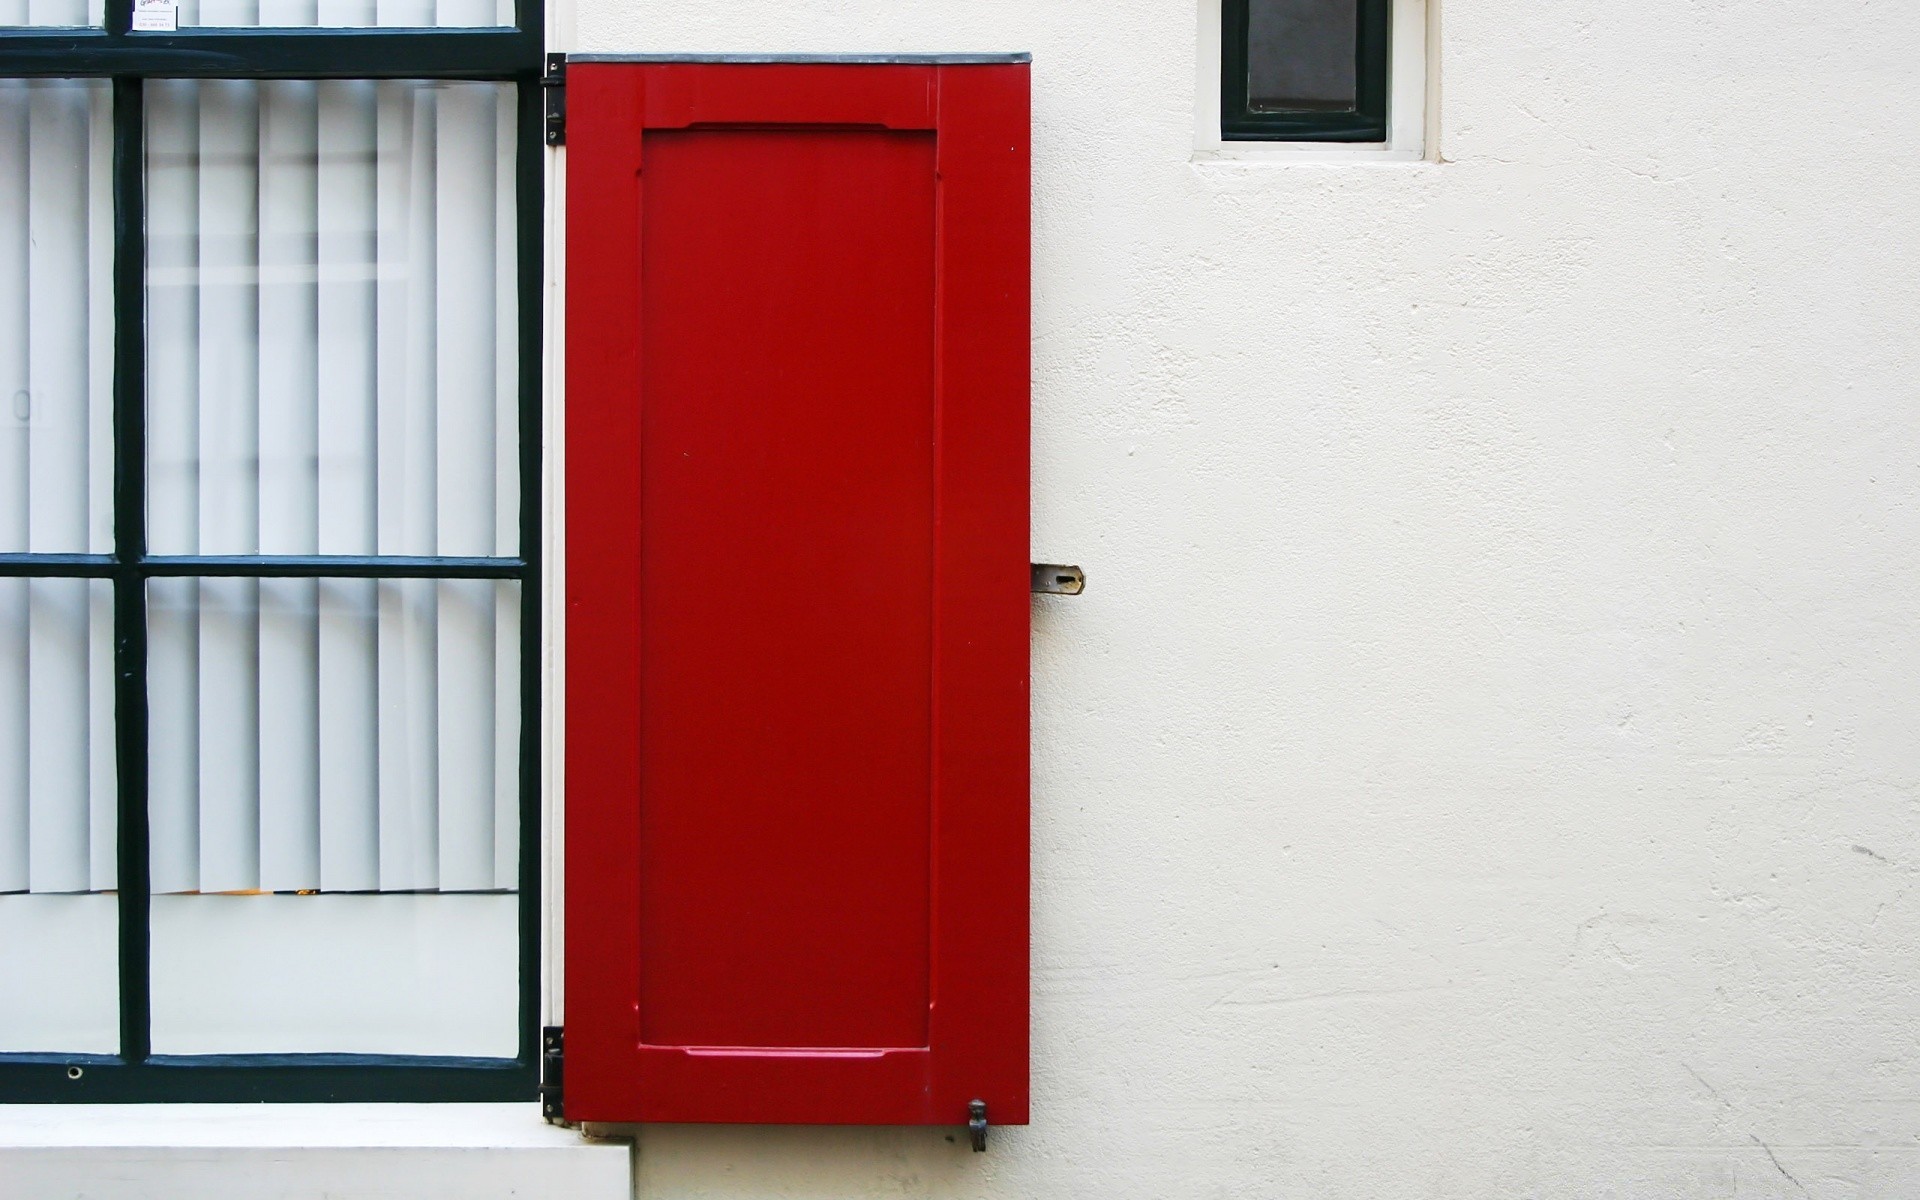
(841, 1162)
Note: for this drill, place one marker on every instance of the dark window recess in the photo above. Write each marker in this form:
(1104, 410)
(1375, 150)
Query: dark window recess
(1304, 70)
(137, 64)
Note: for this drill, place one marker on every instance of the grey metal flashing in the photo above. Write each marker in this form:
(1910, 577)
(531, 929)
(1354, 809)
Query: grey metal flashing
(934, 60)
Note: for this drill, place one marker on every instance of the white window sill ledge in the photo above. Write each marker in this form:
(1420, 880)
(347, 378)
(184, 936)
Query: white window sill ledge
(1295, 154)
(302, 1151)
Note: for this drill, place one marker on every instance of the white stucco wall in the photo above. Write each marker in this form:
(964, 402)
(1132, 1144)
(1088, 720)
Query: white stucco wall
(1483, 763)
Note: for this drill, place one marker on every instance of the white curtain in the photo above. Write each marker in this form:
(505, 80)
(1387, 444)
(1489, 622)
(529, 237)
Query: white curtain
(332, 337)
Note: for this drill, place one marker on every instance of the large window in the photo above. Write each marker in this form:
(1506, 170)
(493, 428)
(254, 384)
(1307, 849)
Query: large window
(269, 454)
(1304, 70)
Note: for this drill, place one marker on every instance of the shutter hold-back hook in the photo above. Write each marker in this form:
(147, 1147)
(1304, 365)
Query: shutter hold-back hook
(1058, 579)
(977, 1125)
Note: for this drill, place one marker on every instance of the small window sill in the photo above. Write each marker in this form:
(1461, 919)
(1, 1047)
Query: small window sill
(1300, 153)
(212, 1151)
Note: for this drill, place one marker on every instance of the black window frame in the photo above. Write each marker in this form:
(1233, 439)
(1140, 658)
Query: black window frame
(510, 54)
(1240, 121)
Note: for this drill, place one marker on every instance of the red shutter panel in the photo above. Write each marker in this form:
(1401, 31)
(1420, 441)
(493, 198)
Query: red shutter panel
(797, 427)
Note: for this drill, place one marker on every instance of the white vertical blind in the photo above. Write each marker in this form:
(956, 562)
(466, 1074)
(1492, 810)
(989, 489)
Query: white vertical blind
(52, 12)
(289, 407)
(332, 370)
(58, 952)
(463, 381)
(57, 801)
(346, 337)
(56, 316)
(333, 823)
(371, 220)
(387, 14)
(230, 412)
(173, 430)
(57, 794)
(409, 783)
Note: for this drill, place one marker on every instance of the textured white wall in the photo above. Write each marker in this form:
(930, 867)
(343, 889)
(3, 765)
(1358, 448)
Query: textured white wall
(1484, 762)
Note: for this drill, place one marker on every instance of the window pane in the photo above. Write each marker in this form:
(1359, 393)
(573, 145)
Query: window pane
(56, 316)
(58, 932)
(345, 240)
(342, 974)
(357, 741)
(1301, 55)
(363, 14)
(54, 13)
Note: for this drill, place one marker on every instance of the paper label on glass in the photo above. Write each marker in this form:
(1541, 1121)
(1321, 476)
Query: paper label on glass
(155, 16)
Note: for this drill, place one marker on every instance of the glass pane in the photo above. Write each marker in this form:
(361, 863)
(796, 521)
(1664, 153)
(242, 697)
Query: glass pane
(56, 316)
(334, 815)
(345, 240)
(58, 931)
(52, 13)
(267, 974)
(1301, 55)
(363, 14)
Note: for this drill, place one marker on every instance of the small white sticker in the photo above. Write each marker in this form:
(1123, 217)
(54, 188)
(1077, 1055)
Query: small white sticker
(155, 16)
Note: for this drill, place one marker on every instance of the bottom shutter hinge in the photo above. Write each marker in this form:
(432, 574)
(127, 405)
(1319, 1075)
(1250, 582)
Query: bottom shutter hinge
(554, 84)
(977, 1125)
(553, 1074)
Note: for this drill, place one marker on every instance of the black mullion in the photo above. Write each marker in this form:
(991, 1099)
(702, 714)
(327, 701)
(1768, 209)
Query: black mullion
(530, 18)
(92, 1079)
(272, 53)
(530, 186)
(1234, 37)
(258, 566)
(400, 1082)
(1373, 51)
(129, 547)
(330, 566)
(58, 566)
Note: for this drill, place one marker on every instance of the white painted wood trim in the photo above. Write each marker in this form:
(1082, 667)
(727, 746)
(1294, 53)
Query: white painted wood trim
(553, 643)
(303, 1152)
(268, 1126)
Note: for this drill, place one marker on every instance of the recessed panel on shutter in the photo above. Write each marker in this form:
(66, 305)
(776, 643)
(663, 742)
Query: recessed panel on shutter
(797, 610)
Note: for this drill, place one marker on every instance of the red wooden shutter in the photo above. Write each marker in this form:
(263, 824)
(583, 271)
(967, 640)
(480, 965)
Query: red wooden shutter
(797, 592)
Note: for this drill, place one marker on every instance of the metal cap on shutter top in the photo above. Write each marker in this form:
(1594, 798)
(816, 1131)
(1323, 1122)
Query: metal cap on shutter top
(922, 60)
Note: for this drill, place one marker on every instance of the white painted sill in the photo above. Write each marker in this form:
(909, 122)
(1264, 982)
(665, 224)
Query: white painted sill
(268, 1126)
(1303, 154)
(302, 1152)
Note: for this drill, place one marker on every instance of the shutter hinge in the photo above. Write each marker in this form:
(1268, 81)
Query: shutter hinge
(554, 84)
(977, 1125)
(553, 1074)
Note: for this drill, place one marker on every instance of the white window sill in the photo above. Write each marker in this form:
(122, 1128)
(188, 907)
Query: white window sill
(289, 1151)
(1303, 153)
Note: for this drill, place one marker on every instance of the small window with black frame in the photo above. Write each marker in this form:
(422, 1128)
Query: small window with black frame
(1304, 70)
